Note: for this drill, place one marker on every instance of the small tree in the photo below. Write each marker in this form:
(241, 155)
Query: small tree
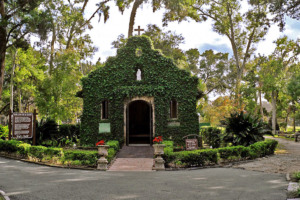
(243, 129)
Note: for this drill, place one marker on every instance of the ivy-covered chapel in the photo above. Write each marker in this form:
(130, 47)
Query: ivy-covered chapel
(138, 95)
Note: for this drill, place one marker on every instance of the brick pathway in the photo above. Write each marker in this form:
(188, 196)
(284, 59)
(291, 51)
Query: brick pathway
(133, 159)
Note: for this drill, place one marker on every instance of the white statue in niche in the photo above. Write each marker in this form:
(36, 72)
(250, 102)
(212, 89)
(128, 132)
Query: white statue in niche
(139, 75)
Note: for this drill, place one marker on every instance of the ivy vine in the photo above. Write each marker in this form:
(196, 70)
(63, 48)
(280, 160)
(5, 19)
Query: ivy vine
(116, 82)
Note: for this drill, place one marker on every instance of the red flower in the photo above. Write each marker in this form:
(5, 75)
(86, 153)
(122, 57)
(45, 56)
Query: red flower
(158, 139)
(101, 142)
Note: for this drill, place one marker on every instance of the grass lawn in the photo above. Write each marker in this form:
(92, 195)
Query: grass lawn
(282, 137)
(280, 149)
(290, 128)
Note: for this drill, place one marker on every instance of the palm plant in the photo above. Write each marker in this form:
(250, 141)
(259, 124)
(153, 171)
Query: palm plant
(244, 129)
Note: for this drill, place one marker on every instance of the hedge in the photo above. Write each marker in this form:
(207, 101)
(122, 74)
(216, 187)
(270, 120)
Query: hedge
(86, 157)
(9, 146)
(37, 152)
(203, 157)
(70, 156)
(197, 157)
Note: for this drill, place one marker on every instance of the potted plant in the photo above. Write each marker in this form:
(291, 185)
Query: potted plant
(158, 145)
(102, 148)
(159, 163)
(102, 151)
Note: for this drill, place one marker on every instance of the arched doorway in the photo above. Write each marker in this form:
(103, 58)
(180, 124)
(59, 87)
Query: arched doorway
(139, 123)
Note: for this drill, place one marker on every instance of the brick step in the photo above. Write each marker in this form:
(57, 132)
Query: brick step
(132, 164)
(137, 158)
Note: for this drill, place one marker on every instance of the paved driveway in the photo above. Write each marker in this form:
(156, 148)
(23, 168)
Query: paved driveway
(283, 162)
(22, 180)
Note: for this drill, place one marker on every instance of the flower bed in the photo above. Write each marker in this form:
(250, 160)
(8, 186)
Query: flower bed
(198, 158)
(56, 155)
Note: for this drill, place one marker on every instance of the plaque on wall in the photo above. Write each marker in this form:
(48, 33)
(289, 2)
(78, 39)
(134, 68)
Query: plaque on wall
(191, 144)
(22, 125)
(173, 124)
(104, 127)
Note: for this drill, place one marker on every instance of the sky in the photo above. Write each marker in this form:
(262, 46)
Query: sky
(197, 35)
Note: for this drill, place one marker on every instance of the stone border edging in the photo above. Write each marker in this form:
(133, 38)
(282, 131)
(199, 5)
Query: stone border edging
(3, 194)
(225, 165)
(49, 165)
(292, 189)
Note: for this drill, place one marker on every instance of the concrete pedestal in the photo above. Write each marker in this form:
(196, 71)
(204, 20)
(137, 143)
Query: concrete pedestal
(102, 164)
(159, 164)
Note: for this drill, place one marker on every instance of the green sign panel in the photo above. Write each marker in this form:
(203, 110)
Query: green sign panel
(104, 127)
(173, 124)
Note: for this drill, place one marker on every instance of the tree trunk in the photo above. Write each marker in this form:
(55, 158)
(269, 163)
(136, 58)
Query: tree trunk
(2, 60)
(256, 106)
(136, 5)
(12, 83)
(273, 112)
(20, 101)
(260, 104)
(287, 118)
(294, 118)
(238, 89)
(3, 35)
(52, 47)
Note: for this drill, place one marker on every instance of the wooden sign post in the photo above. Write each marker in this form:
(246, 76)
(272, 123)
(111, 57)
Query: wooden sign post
(9, 125)
(34, 127)
(192, 144)
(22, 126)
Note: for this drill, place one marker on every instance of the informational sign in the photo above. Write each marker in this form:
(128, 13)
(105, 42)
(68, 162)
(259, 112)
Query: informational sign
(173, 124)
(104, 127)
(22, 125)
(191, 144)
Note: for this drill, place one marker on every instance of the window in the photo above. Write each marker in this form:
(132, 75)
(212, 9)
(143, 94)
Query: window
(173, 109)
(104, 108)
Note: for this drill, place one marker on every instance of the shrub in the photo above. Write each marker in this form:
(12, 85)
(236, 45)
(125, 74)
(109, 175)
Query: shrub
(76, 162)
(46, 130)
(40, 152)
(51, 151)
(82, 155)
(71, 131)
(37, 152)
(168, 151)
(111, 154)
(197, 157)
(243, 129)
(114, 144)
(211, 136)
(3, 131)
(202, 157)
(9, 146)
(295, 176)
(260, 149)
(23, 149)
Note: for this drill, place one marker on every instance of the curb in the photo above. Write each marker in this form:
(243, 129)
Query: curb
(292, 190)
(3, 194)
(49, 165)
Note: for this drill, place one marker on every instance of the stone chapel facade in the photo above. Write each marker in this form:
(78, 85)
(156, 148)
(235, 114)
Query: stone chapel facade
(138, 95)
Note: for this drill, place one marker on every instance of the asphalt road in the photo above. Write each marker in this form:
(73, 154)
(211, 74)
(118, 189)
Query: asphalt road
(22, 180)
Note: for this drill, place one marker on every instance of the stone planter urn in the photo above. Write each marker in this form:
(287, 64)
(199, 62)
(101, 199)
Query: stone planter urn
(159, 161)
(102, 162)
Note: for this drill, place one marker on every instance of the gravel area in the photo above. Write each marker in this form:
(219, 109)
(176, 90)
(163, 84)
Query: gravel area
(286, 160)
